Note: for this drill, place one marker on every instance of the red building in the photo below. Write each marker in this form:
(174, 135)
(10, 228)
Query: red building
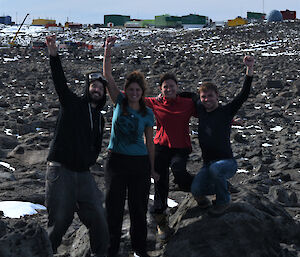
(288, 15)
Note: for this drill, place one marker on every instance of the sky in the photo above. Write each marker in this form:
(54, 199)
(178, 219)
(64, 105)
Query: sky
(93, 11)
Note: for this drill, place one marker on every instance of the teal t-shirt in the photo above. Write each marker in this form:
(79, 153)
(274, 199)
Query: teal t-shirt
(127, 132)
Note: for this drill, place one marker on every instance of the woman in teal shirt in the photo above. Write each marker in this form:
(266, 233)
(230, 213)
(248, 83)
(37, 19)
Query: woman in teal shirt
(130, 160)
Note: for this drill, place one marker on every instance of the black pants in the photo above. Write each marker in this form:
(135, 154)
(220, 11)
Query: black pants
(176, 159)
(68, 192)
(127, 175)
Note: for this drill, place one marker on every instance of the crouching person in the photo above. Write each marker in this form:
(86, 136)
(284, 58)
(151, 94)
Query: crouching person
(70, 187)
(214, 138)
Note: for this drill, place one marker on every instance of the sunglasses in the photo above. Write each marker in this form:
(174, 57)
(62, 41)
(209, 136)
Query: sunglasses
(95, 76)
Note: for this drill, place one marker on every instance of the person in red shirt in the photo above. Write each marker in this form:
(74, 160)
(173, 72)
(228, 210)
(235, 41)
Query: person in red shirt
(172, 145)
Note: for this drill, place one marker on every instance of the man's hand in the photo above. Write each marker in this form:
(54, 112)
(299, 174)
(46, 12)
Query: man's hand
(249, 62)
(51, 44)
(155, 175)
(110, 41)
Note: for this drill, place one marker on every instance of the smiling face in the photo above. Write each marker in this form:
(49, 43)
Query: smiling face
(169, 88)
(209, 99)
(96, 90)
(134, 92)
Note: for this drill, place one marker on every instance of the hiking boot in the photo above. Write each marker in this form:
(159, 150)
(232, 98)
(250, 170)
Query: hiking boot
(202, 201)
(218, 209)
(163, 230)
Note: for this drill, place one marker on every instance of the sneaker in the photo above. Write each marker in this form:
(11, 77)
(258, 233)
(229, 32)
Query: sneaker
(218, 209)
(202, 201)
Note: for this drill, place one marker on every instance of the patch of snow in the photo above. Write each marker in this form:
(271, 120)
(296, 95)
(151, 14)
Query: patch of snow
(277, 128)
(8, 132)
(7, 165)
(242, 171)
(17, 209)
(266, 145)
(171, 203)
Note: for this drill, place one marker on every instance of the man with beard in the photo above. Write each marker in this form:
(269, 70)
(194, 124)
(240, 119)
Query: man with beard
(70, 187)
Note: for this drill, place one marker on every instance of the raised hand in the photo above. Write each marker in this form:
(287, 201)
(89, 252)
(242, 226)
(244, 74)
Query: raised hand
(249, 62)
(110, 41)
(51, 44)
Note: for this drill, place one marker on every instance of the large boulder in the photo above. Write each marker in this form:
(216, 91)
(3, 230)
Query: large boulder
(24, 240)
(252, 226)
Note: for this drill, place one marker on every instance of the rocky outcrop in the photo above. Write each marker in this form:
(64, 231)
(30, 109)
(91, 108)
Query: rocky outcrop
(21, 239)
(264, 217)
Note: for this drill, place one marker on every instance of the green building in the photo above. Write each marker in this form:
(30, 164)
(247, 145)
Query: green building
(116, 19)
(148, 23)
(255, 16)
(167, 21)
(194, 19)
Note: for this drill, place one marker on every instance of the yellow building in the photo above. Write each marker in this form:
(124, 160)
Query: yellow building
(237, 22)
(43, 22)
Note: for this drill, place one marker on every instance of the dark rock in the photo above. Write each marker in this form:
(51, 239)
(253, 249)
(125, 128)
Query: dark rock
(279, 194)
(250, 214)
(2, 226)
(16, 151)
(4, 104)
(239, 138)
(24, 241)
(274, 84)
(8, 142)
(261, 168)
(282, 176)
(23, 129)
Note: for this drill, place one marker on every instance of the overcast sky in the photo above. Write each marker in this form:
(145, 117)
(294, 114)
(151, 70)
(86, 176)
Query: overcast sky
(92, 11)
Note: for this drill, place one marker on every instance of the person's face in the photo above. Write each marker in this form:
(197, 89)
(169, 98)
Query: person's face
(96, 90)
(134, 92)
(169, 88)
(209, 100)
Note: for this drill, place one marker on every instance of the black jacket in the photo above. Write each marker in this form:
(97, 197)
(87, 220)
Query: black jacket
(214, 127)
(79, 129)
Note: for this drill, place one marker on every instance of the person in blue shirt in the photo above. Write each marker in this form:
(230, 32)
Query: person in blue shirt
(130, 161)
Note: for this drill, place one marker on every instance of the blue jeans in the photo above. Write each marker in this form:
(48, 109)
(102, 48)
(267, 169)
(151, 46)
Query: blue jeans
(212, 179)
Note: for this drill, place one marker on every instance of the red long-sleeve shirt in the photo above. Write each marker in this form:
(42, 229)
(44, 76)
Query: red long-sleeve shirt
(172, 120)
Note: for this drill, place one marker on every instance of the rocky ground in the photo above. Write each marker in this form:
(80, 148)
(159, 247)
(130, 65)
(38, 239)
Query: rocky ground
(265, 214)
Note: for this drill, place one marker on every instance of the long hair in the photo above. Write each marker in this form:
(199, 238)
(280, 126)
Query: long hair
(137, 77)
